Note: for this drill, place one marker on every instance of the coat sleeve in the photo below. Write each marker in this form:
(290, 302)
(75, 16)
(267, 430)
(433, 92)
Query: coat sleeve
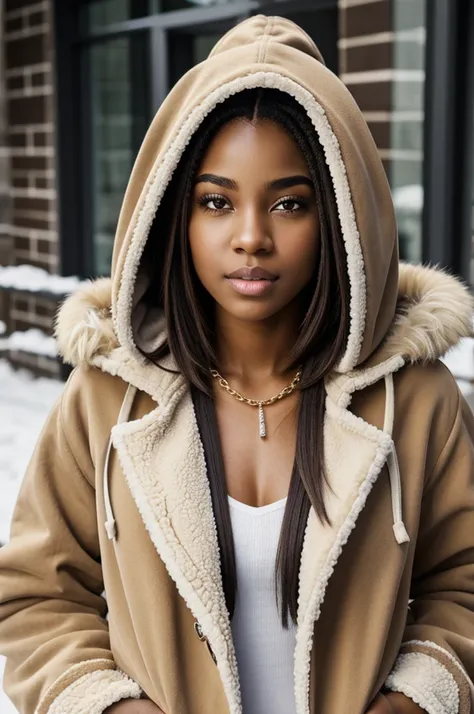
(435, 666)
(53, 627)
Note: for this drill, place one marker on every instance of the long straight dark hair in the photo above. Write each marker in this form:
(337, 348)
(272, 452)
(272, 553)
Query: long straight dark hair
(189, 315)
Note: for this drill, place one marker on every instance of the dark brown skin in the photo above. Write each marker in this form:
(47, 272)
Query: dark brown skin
(254, 224)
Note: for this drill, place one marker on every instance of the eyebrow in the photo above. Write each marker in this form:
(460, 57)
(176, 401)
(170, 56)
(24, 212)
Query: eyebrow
(277, 184)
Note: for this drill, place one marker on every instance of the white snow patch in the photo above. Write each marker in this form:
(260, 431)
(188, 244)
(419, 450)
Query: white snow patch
(408, 198)
(460, 360)
(24, 404)
(31, 279)
(6, 707)
(33, 341)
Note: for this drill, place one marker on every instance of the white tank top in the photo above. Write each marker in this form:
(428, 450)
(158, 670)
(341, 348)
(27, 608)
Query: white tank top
(264, 650)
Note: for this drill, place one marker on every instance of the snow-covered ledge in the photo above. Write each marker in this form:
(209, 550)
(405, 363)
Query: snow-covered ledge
(27, 278)
(32, 341)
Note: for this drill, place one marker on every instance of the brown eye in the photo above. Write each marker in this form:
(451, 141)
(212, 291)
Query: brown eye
(214, 203)
(290, 205)
(217, 203)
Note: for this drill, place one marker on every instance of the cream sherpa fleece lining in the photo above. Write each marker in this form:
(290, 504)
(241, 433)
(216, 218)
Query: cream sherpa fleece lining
(166, 165)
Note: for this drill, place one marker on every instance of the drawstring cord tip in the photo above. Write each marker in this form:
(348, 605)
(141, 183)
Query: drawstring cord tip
(111, 529)
(401, 535)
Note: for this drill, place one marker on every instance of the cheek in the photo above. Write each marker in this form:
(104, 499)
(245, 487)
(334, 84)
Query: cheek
(299, 248)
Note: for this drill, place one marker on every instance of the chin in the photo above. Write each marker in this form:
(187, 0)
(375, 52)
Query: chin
(252, 312)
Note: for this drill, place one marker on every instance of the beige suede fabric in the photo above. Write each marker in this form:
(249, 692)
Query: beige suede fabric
(110, 587)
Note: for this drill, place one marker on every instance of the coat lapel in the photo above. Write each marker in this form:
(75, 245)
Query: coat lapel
(355, 453)
(163, 462)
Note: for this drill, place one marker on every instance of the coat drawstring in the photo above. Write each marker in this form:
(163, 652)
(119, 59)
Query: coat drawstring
(400, 532)
(401, 535)
(110, 525)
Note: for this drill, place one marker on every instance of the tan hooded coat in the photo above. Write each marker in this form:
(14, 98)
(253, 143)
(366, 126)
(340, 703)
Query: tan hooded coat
(113, 557)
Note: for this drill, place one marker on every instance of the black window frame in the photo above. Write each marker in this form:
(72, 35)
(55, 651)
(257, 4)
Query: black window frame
(449, 136)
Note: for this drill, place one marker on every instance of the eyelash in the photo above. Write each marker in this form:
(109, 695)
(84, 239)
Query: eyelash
(207, 198)
(204, 200)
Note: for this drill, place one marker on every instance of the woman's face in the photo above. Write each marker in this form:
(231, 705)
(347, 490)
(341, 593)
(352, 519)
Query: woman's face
(254, 224)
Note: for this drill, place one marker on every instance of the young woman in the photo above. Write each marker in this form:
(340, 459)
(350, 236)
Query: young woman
(256, 494)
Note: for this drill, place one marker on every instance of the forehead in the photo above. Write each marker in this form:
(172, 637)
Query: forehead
(261, 143)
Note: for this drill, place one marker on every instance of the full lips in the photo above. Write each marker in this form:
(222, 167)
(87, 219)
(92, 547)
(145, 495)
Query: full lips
(251, 287)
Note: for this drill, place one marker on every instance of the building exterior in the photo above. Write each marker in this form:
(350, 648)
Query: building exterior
(81, 79)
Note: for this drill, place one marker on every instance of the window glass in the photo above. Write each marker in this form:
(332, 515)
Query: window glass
(407, 121)
(119, 115)
(100, 13)
(188, 48)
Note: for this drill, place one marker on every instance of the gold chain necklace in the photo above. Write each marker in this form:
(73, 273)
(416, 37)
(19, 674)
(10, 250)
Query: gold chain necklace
(257, 402)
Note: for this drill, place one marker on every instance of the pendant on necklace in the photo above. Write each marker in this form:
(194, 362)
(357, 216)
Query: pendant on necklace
(261, 421)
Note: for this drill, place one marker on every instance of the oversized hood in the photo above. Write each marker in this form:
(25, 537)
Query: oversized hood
(270, 52)
(418, 315)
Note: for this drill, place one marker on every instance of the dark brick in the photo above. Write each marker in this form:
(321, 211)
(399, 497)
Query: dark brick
(17, 139)
(370, 57)
(381, 133)
(39, 366)
(29, 163)
(25, 51)
(19, 260)
(20, 304)
(372, 97)
(19, 181)
(44, 247)
(44, 310)
(22, 243)
(13, 25)
(31, 204)
(15, 82)
(37, 18)
(42, 138)
(41, 182)
(27, 110)
(21, 219)
(367, 19)
(39, 79)
(22, 325)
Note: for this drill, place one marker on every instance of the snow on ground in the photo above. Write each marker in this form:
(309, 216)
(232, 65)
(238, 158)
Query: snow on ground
(24, 405)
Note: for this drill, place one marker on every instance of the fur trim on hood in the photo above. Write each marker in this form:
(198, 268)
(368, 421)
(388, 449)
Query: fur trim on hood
(434, 311)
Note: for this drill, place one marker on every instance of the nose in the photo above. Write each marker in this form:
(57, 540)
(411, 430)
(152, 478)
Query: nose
(253, 233)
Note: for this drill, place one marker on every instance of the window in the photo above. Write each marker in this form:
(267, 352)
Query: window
(406, 156)
(116, 95)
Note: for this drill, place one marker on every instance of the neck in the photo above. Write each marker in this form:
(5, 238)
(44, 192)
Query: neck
(255, 351)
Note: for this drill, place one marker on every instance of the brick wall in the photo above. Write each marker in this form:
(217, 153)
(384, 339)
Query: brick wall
(365, 61)
(32, 227)
(382, 61)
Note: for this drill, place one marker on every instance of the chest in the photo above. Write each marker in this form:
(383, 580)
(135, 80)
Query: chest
(257, 470)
